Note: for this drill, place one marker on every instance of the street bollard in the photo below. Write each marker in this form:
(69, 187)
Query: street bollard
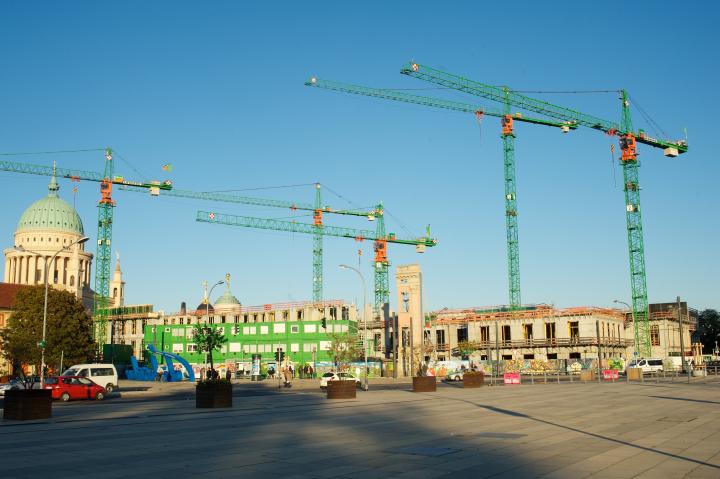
(558, 376)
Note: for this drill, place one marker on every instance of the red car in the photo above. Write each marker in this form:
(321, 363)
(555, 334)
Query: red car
(75, 387)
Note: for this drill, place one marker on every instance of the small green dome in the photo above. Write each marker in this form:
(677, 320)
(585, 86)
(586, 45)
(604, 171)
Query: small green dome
(51, 213)
(227, 299)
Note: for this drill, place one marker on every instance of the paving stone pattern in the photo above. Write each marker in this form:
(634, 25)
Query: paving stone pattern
(620, 430)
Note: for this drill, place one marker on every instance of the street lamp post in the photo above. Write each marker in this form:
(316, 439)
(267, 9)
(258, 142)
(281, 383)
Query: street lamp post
(365, 341)
(44, 328)
(207, 312)
(632, 313)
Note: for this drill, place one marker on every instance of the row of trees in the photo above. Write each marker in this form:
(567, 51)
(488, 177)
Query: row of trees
(68, 330)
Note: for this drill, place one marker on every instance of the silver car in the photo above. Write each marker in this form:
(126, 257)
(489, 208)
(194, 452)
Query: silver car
(12, 384)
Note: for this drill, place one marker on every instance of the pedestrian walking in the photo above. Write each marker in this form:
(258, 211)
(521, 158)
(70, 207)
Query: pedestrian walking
(159, 374)
(287, 377)
(228, 375)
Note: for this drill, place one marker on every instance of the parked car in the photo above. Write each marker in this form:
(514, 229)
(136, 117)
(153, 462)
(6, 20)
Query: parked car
(455, 375)
(12, 384)
(103, 374)
(333, 376)
(648, 365)
(76, 387)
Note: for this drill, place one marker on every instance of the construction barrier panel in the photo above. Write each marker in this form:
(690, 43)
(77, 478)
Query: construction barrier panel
(512, 378)
(610, 374)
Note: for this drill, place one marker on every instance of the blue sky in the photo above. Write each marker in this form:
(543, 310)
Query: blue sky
(216, 89)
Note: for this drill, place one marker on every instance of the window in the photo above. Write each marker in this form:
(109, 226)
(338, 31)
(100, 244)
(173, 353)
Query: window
(528, 356)
(285, 315)
(191, 348)
(506, 336)
(310, 328)
(549, 330)
(528, 333)
(308, 347)
(102, 372)
(462, 333)
(294, 348)
(333, 313)
(299, 315)
(345, 313)
(507, 357)
(234, 347)
(177, 348)
(655, 335)
(295, 328)
(280, 327)
(574, 355)
(485, 334)
(552, 355)
(264, 329)
(325, 345)
(574, 329)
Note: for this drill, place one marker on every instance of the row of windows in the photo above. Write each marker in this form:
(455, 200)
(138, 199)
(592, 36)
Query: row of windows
(607, 331)
(277, 328)
(257, 348)
(269, 317)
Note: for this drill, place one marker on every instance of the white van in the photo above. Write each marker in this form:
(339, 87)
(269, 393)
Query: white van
(104, 375)
(648, 365)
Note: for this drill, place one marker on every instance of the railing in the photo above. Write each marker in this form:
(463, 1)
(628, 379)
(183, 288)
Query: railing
(547, 343)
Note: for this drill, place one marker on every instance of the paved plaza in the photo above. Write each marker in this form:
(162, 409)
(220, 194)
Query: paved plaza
(621, 430)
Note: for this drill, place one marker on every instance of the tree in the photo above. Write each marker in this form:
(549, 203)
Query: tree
(208, 340)
(709, 329)
(68, 331)
(465, 349)
(343, 350)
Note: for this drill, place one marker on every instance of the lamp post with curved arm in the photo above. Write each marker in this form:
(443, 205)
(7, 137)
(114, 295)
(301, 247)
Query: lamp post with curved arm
(207, 310)
(365, 341)
(45, 306)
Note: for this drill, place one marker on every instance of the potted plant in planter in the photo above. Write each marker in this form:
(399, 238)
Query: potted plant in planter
(422, 381)
(27, 402)
(211, 392)
(343, 349)
(471, 377)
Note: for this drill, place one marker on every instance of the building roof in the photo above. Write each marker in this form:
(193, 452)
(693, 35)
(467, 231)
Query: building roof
(8, 291)
(51, 213)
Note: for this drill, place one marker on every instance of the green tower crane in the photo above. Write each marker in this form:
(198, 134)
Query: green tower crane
(508, 138)
(105, 221)
(380, 238)
(628, 139)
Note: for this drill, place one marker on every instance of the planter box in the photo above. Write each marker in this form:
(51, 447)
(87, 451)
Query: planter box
(341, 390)
(634, 374)
(424, 384)
(25, 404)
(212, 395)
(473, 380)
(587, 375)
